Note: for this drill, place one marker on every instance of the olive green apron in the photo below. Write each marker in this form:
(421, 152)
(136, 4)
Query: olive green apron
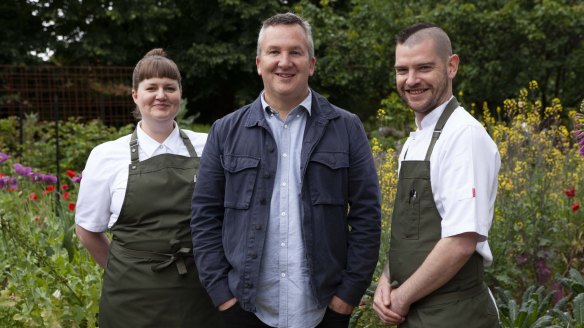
(150, 278)
(464, 301)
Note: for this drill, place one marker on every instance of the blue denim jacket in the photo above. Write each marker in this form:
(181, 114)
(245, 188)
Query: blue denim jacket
(340, 202)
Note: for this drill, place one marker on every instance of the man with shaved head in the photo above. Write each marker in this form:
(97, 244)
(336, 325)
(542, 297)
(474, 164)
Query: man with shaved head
(445, 198)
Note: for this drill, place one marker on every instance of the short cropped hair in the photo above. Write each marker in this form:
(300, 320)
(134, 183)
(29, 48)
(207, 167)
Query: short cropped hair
(287, 19)
(418, 32)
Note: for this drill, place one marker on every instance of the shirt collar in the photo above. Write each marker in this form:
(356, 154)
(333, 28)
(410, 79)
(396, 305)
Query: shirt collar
(149, 145)
(306, 103)
(432, 118)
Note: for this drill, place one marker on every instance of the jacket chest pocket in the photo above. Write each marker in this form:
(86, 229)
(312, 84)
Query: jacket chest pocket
(328, 175)
(240, 178)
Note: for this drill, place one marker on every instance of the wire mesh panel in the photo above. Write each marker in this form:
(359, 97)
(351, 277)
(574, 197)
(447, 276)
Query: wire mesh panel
(86, 92)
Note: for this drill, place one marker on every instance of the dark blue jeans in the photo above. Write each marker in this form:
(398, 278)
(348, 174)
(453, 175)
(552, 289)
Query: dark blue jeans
(236, 317)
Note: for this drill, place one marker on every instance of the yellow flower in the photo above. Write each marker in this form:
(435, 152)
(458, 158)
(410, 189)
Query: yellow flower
(533, 85)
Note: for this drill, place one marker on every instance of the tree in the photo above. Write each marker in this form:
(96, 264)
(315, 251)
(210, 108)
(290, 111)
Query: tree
(213, 42)
(503, 44)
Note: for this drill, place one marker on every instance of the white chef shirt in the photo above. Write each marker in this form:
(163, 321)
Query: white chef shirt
(464, 166)
(105, 177)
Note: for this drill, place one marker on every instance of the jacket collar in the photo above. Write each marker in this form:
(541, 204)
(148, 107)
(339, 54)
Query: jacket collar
(322, 111)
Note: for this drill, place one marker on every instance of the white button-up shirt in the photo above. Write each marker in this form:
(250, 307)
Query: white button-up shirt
(105, 177)
(464, 168)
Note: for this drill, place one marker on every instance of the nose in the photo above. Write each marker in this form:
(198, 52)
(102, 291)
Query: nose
(160, 94)
(284, 60)
(412, 77)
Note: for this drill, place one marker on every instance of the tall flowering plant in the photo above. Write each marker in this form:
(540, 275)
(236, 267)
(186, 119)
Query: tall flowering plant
(579, 128)
(537, 228)
(41, 250)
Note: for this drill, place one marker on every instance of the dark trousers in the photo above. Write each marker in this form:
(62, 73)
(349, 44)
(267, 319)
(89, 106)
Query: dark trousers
(236, 317)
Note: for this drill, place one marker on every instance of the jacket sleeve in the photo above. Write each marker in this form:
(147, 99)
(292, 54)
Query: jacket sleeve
(207, 220)
(364, 216)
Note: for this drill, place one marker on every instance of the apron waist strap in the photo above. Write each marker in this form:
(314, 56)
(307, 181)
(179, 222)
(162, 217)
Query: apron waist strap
(452, 296)
(161, 260)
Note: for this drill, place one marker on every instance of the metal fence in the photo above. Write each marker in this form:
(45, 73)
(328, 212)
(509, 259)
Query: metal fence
(64, 91)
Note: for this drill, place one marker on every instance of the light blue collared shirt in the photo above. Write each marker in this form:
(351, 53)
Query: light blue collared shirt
(284, 295)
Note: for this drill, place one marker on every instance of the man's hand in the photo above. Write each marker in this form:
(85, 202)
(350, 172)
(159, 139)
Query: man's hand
(340, 306)
(227, 304)
(382, 303)
(397, 304)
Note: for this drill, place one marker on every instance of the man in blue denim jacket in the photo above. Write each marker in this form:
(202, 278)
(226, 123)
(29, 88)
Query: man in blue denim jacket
(286, 209)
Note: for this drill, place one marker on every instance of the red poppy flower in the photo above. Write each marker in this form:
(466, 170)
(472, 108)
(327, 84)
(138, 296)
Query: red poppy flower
(70, 173)
(72, 207)
(575, 206)
(33, 196)
(50, 188)
(570, 193)
(65, 187)
(66, 195)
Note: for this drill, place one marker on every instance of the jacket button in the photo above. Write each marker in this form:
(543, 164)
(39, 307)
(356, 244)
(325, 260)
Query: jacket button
(258, 227)
(248, 285)
(253, 255)
(266, 175)
(271, 149)
(263, 201)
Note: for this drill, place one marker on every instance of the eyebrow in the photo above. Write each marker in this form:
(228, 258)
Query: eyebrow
(431, 63)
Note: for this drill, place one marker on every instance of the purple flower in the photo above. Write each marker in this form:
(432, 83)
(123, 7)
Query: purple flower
(559, 292)
(35, 177)
(542, 272)
(76, 179)
(3, 157)
(49, 178)
(8, 182)
(22, 170)
(13, 182)
(521, 259)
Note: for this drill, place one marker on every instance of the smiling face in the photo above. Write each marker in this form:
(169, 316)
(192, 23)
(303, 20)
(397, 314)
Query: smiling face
(423, 76)
(158, 100)
(285, 65)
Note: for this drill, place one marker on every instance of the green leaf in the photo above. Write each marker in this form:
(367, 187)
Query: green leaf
(579, 309)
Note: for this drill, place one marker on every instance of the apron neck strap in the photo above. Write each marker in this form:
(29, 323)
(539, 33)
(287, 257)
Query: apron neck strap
(134, 145)
(452, 105)
(188, 143)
